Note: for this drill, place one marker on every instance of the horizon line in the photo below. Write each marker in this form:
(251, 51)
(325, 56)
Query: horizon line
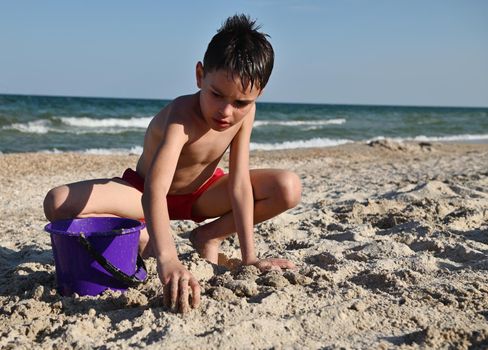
(261, 101)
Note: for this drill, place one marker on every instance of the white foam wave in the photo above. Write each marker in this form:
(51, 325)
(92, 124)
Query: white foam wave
(85, 122)
(123, 151)
(423, 138)
(467, 137)
(33, 127)
(137, 150)
(79, 126)
(311, 123)
(86, 125)
(315, 142)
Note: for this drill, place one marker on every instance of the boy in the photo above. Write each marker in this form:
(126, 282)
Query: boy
(182, 147)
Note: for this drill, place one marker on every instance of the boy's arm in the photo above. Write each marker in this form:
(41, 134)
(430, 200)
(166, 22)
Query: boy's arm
(173, 274)
(240, 190)
(242, 199)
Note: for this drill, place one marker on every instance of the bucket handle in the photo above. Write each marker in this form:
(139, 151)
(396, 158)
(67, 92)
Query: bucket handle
(109, 267)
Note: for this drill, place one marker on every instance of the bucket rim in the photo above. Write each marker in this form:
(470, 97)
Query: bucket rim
(138, 227)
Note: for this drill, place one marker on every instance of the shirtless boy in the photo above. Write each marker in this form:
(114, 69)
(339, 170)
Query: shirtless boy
(183, 145)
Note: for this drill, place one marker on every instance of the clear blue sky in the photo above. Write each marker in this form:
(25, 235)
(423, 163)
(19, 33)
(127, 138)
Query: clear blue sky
(411, 52)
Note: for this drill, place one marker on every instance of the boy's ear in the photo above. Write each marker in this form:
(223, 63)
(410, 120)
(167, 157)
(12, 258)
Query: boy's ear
(199, 74)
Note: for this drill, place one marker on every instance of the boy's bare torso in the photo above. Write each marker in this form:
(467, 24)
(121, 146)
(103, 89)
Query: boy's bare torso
(202, 151)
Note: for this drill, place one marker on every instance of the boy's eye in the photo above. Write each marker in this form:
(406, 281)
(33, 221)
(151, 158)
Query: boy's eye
(216, 94)
(240, 104)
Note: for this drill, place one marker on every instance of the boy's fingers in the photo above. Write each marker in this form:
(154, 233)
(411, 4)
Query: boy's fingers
(283, 263)
(273, 265)
(276, 264)
(174, 293)
(183, 305)
(287, 264)
(195, 288)
(264, 265)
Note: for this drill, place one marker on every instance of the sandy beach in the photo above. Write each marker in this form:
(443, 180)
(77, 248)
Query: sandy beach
(390, 240)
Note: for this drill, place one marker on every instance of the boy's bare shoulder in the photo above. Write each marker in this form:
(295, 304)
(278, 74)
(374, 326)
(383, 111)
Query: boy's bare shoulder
(182, 110)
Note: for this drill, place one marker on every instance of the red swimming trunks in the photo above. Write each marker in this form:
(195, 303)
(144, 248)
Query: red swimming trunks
(179, 206)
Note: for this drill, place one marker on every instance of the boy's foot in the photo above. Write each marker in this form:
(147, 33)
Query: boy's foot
(207, 248)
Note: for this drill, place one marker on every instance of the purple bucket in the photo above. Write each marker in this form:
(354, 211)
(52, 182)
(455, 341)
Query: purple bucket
(95, 254)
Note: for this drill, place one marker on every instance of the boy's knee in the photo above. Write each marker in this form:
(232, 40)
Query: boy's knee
(290, 189)
(53, 203)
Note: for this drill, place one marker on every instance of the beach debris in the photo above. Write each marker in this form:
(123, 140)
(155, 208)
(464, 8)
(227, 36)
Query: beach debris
(388, 144)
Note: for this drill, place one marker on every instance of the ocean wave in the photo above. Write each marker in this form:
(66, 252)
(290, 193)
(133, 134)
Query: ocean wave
(86, 125)
(79, 126)
(33, 127)
(447, 138)
(315, 142)
(100, 151)
(467, 137)
(85, 122)
(123, 151)
(310, 123)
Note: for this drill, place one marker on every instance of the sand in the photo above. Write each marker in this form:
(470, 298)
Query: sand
(390, 240)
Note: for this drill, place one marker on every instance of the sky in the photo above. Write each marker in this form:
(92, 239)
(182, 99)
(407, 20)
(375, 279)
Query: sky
(386, 52)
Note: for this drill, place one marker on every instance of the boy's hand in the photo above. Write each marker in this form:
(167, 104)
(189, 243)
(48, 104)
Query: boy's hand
(177, 281)
(274, 264)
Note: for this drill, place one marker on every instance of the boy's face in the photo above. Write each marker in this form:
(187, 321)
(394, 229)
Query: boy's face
(223, 101)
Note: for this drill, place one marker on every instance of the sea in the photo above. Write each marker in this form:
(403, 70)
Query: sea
(56, 124)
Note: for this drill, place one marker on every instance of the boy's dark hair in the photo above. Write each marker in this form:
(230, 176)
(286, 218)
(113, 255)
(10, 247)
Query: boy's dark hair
(242, 50)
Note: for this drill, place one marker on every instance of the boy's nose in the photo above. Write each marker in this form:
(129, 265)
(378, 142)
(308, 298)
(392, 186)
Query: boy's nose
(226, 110)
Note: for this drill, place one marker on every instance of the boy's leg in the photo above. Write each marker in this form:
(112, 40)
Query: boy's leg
(100, 197)
(275, 191)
